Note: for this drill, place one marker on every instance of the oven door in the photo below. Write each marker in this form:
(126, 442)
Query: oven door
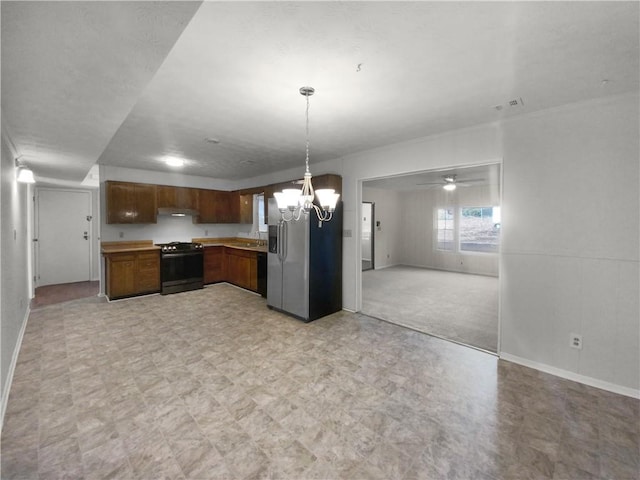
(182, 271)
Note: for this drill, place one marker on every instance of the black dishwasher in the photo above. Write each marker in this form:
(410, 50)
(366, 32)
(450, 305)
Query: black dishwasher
(262, 274)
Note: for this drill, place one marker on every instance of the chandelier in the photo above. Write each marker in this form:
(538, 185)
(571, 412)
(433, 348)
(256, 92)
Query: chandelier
(295, 204)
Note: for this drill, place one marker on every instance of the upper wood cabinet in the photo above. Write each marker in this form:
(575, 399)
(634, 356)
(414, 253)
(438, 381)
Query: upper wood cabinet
(177, 197)
(131, 202)
(328, 181)
(246, 208)
(216, 206)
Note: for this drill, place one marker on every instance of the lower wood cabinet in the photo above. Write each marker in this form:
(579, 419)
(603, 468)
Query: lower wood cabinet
(242, 268)
(132, 273)
(233, 265)
(214, 264)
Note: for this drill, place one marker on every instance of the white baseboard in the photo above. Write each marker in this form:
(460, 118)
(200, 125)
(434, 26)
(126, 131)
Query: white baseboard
(12, 367)
(576, 377)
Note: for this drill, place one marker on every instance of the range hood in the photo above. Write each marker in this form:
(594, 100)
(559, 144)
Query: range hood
(177, 212)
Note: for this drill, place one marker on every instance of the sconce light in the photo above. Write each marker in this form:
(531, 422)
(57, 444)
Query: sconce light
(23, 173)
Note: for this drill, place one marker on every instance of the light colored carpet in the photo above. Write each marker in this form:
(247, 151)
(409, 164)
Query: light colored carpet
(455, 306)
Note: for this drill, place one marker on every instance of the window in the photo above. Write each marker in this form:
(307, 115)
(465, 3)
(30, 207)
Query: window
(444, 229)
(262, 223)
(480, 229)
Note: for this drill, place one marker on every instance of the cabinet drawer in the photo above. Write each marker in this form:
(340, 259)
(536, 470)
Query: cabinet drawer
(121, 257)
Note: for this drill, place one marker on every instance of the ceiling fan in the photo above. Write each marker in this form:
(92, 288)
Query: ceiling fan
(450, 182)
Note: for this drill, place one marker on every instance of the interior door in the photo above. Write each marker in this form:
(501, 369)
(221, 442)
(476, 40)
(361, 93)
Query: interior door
(367, 236)
(64, 236)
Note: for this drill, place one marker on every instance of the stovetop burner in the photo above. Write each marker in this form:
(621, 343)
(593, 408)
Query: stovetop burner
(180, 247)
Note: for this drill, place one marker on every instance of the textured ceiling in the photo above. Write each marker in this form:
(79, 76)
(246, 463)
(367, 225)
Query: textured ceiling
(104, 82)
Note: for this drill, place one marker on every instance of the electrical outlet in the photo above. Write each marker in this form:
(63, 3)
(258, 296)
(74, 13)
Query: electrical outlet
(121, 235)
(575, 341)
(206, 233)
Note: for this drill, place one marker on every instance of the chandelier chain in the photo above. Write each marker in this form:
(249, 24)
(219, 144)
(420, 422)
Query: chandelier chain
(307, 133)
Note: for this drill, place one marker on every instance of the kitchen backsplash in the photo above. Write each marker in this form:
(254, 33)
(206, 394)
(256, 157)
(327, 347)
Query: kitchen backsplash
(170, 229)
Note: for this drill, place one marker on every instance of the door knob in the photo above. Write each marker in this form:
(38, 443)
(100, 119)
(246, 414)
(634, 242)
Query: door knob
(86, 236)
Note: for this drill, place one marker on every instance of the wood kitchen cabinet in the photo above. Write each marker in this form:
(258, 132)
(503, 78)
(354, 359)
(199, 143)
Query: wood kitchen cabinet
(147, 272)
(214, 264)
(242, 268)
(216, 206)
(131, 202)
(177, 197)
(246, 208)
(132, 273)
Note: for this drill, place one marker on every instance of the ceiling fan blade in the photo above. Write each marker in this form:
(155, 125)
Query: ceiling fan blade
(431, 183)
(467, 180)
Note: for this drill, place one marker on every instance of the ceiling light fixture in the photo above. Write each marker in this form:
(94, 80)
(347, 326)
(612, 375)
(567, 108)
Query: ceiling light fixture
(294, 204)
(23, 173)
(174, 162)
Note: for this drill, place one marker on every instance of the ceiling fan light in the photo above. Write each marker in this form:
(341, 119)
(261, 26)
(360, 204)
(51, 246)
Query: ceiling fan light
(449, 187)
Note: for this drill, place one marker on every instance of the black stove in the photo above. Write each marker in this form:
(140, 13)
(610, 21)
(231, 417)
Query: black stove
(182, 266)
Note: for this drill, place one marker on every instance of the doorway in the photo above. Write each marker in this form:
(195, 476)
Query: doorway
(367, 238)
(63, 236)
(444, 280)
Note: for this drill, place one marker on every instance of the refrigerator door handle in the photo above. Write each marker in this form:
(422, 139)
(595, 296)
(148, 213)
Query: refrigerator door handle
(281, 241)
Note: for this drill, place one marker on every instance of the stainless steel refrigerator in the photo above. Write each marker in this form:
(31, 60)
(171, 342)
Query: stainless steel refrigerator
(304, 265)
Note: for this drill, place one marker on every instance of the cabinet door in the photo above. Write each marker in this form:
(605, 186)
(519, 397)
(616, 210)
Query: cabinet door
(121, 273)
(131, 202)
(148, 272)
(239, 268)
(233, 209)
(214, 264)
(225, 209)
(246, 208)
(146, 204)
(206, 207)
(177, 197)
(120, 198)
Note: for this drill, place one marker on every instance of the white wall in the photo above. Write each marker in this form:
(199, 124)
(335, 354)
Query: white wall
(418, 223)
(387, 237)
(571, 211)
(15, 291)
(571, 239)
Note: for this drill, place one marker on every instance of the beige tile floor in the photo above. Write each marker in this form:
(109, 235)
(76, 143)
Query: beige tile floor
(211, 384)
